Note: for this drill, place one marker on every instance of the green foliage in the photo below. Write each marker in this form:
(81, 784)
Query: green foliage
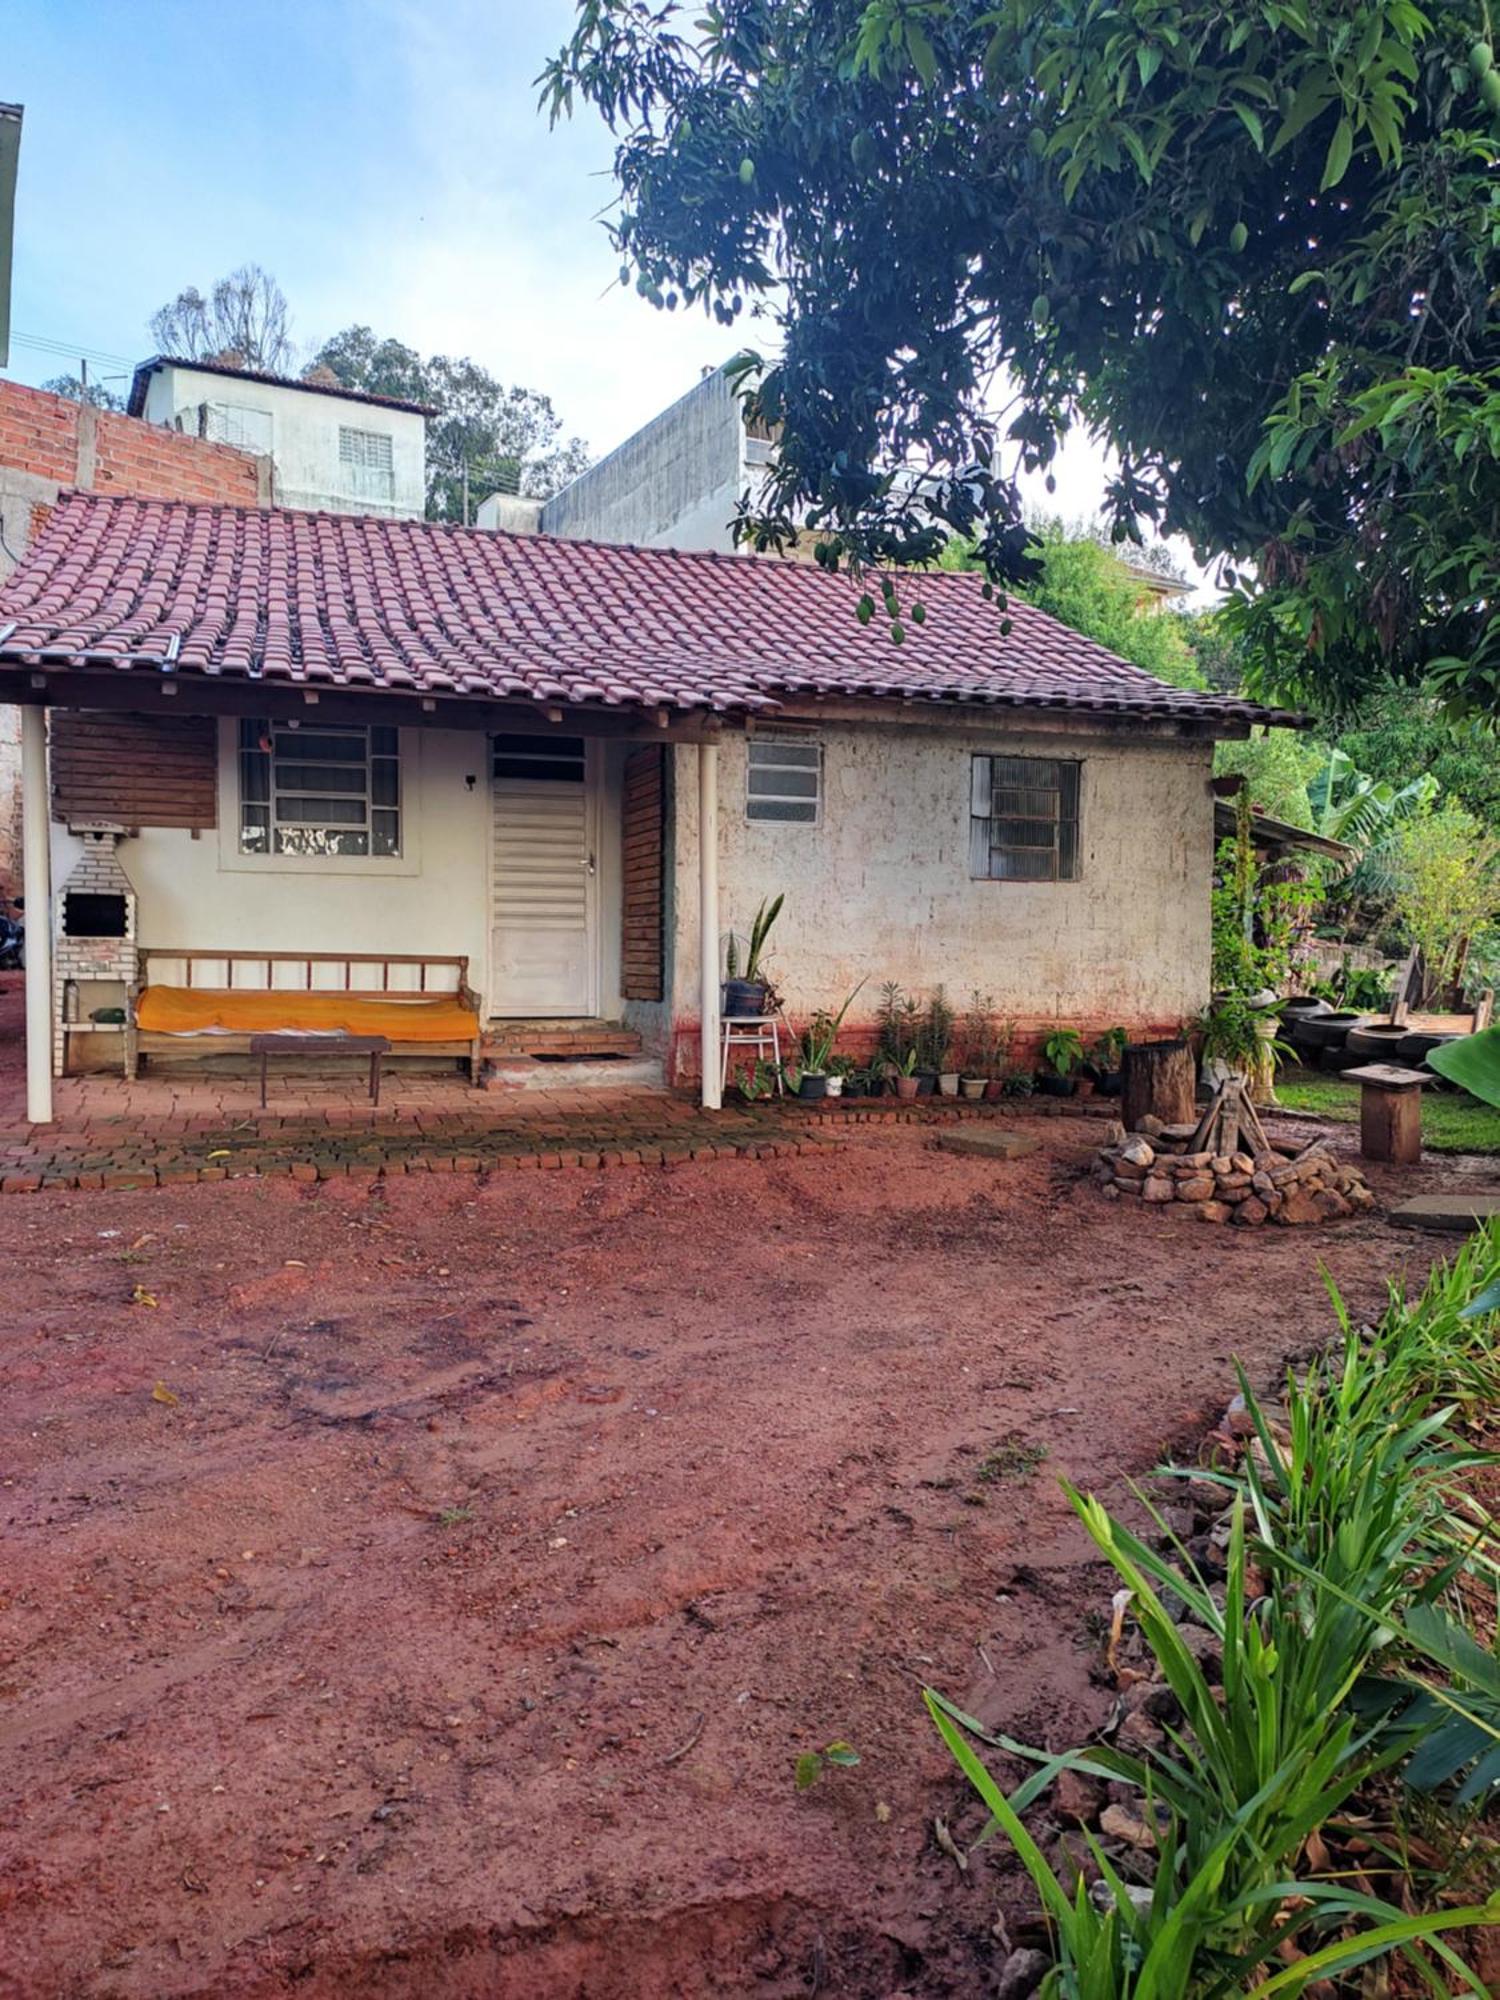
(1277, 765)
(1396, 734)
(1350, 805)
(1063, 1049)
(934, 1037)
(1230, 1029)
(1252, 248)
(1339, 1661)
(1447, 890)
(820, 1035)
(810, 1766)
(1473, 1063)
(505, 439)
(760, 930)
(1089, 589)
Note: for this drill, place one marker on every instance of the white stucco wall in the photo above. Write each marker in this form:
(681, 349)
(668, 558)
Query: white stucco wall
(881, 887)
(201, 892)
(304, 442)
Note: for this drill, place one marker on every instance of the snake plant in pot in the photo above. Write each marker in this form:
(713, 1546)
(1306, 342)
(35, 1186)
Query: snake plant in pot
(747, 991)
(818, 1039)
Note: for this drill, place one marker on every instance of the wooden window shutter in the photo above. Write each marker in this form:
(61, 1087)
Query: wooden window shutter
(141, 770)
(643, 859)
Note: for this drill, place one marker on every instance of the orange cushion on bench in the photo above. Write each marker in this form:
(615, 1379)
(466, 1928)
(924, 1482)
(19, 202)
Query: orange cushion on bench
(197, 1010)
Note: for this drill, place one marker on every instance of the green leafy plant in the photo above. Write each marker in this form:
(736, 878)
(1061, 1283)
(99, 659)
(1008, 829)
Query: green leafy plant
(760, 931)
(810, 1766)
(1063, 1049)
(819, 1036)
(935, 1035)
(1107, 1051)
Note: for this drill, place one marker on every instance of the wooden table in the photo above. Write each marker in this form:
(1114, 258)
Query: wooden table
(1390, 1111)
(373, 1046)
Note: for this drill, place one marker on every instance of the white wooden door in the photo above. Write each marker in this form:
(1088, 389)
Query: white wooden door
(543, 949)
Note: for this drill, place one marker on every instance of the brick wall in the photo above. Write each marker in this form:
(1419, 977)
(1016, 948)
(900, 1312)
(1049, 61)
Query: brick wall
(52, 438)
(644, 821)
(47, 444)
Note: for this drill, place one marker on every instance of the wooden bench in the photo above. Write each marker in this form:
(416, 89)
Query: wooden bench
(195, 1003)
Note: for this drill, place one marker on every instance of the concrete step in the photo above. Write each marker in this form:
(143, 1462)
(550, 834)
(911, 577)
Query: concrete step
(597, 1073)
(571, 1039)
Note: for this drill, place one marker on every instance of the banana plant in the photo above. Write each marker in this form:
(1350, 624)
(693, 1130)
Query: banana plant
(1349, 805)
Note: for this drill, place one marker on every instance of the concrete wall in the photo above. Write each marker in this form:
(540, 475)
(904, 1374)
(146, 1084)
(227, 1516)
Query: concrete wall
(674, 484)
(881, 889)
(435, 897)
(304, 438)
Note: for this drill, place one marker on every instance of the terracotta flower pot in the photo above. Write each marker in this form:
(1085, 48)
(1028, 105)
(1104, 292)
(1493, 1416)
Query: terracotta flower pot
(906, 1088)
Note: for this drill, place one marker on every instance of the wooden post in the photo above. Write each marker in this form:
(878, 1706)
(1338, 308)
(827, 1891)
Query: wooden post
(1160, 1082)
(1390, 1112)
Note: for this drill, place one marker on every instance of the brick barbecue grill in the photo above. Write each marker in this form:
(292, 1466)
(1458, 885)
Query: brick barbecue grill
(96, 935)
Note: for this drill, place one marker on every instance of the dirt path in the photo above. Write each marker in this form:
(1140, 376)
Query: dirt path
(448, 1621)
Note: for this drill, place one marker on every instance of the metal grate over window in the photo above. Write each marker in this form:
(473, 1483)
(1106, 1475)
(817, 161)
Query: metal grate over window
(784, 778)
(332, 792)
(367, 464)
(1023, 824)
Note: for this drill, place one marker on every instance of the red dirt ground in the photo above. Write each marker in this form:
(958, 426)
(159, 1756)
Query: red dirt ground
(448, 1619)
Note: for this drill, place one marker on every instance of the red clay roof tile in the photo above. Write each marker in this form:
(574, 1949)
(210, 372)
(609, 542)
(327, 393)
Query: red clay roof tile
(422, 608)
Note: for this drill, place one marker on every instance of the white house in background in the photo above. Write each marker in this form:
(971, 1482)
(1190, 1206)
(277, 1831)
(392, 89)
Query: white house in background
(332, 449)
(674, 484)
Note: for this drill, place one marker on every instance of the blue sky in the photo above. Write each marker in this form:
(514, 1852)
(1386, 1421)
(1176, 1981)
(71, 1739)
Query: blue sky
(384, 159)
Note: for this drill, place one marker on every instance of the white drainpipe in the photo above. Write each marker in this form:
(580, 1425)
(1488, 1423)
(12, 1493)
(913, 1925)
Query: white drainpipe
(708, 919)
(36, 834)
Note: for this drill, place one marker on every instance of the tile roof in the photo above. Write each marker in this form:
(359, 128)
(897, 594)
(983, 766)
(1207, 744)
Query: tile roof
(414, 607)
(136, 403)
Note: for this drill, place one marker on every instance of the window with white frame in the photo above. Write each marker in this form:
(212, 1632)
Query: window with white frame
(784, 777)
(1023, 819)
(366, 464)
(321, 792)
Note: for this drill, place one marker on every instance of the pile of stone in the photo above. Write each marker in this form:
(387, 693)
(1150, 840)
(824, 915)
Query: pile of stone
(1154, 1165)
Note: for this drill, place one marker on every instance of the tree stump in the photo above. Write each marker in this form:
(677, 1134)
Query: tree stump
(1160, 1082)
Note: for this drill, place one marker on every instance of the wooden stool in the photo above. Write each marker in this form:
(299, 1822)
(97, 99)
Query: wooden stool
(1390, 1111)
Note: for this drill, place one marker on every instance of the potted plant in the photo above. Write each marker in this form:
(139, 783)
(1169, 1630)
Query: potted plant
(976, 1041)
(935, 1046)
(997, 1061)
(843, 1071)
(1063, 1049)
(818, 1038)
(905, 1078)
(1239, 1039)
(1105, 1056)
(749, 991)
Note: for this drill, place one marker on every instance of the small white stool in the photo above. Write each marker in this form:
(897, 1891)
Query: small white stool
(756, 1035)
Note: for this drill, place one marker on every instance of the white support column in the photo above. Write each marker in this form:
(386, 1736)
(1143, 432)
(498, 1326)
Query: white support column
(36, 834)
(708, 919)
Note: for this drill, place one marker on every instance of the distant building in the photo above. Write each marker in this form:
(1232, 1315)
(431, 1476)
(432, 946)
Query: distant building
(674, 484)
(332, 449)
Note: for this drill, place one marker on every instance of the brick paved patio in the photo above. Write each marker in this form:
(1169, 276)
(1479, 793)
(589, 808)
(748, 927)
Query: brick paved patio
(198, 1125)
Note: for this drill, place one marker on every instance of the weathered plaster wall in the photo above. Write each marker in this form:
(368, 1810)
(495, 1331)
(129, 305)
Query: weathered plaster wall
(305, 438)
(435, 897)
(880, 889)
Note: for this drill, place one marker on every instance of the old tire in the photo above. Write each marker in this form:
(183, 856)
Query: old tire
(1376, 1044)
(1327, 1031)
(1415, 1045)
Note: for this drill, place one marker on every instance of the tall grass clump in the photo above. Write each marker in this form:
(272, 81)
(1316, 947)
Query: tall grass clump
(1355, 1555)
